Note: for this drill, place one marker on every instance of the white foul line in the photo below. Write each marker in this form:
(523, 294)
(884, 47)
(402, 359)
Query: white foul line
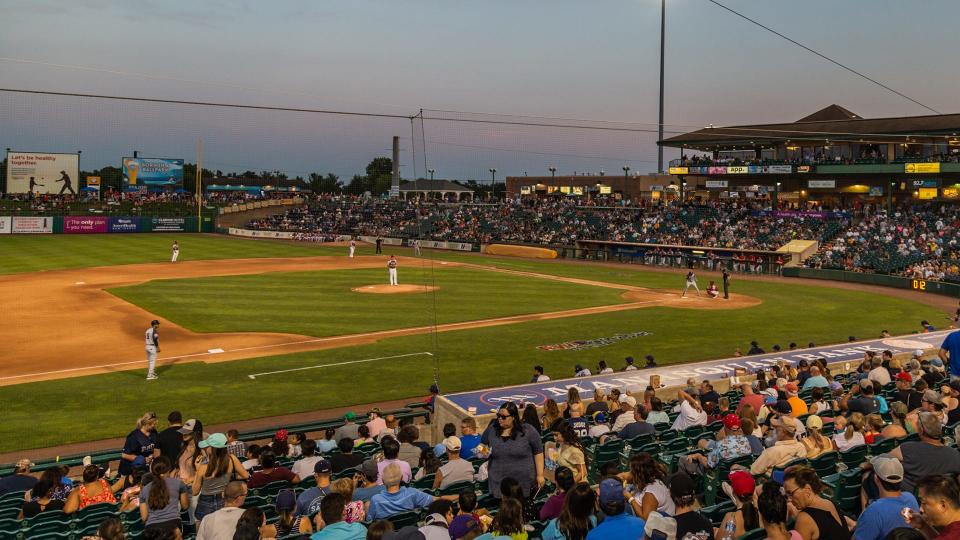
(255, 375)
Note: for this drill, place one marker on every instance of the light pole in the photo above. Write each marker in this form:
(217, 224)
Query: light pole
(626, 172)
(663, 28)
(431, 171)
(683, 185)
(553, 176)
(493, 183)
(776, 196)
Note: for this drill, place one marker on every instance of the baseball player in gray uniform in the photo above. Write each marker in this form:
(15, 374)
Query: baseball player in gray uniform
(392, 270)
(174, 251)
(152, 338)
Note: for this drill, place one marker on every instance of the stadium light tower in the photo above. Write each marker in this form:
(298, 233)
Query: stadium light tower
(431, 171)
(553, 176)
(493, 183)
(663, 28)
(626, 171)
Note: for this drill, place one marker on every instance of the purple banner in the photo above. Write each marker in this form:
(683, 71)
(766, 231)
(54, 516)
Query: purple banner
(84, 224)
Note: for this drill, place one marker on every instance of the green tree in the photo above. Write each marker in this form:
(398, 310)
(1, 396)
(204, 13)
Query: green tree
(358, 184)
(325, 184)
(379, 175)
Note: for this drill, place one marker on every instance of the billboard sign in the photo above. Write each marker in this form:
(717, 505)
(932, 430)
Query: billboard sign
(152, 172)
(93, 183)
(123, 225)
(822, 184)
(717, 170)
(778, 169)
(679, 170)
(716, 184)
(927, 193)
(738, 170)
(168, 224)
(913, 168)
(84, 224)
(5, 223)
(41, 172)
(32, 225)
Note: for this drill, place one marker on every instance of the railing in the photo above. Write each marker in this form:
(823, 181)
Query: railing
(883, 280)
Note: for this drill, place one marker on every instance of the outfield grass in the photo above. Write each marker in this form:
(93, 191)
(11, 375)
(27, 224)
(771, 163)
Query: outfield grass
(322, 303)
(93, 407)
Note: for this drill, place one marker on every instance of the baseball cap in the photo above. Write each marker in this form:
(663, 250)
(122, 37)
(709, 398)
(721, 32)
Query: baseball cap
(792, 387)
(24, 464)
(742, 482)
(154, 322)
(866, 383)
(904, 376)
(187, 426)
(783, 407)
(918, 353)
(611, 491)
(887, 468)
(731, 422)
(280, 435)
(769, 400)
(376, 410)
(322, 467)
(463, 525)
(286, 500)
(933, 397)
(629, 400)
(349, 416)
(658, 522)
(937, 362)
(599, 417)
(681, 485)
(788, 424)
(815, 422)
(369, 468)
(216, 440)
(452, 444)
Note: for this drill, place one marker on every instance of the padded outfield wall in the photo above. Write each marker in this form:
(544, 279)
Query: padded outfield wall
(102, 224)
(883, 280)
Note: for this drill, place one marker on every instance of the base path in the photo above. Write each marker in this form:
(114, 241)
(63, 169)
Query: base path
(64, 324)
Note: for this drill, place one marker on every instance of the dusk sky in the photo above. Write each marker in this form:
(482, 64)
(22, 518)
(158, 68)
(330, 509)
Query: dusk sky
(551, 58)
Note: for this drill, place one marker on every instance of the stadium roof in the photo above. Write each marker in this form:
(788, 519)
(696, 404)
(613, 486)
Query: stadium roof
(434, 185)
(833, 123)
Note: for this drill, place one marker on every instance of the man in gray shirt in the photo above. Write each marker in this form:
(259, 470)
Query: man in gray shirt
(456, 469)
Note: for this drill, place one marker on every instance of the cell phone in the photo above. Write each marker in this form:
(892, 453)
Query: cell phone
(658, 535)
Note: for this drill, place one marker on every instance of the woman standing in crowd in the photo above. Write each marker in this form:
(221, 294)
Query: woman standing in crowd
(141, 445)
(215, 468)
(515, 450)
(577, 516)
(162, 499)
(818, 517)
(649, 491)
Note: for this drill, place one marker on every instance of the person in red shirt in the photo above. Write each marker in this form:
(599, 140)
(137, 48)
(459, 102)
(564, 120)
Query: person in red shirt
(940, 506)
(270, 472)
(754, 400)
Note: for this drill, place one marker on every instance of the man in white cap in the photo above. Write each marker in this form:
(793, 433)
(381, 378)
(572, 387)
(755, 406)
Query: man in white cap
(20, 480)
(884, 514)
(628, 404)
(455, 469)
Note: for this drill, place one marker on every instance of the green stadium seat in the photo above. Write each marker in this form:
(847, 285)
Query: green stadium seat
(455, 488)
(825, 464)
(881, 447)
(755, 534)
(716, 512)
(404, 519)
(425, 483)
(853, 457)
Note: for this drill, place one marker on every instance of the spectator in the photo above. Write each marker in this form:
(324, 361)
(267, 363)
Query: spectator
(221, 524)
(252, 463)
(41, 499)
(798, 407)
(308, 502)
(639, 426)
(140, 447)
(940, 503)
(191, 433)
(429, 465)
(508, 523)
(628, 405)
(376, 424)
(745, 517)
(898, 422)
(651, 363)
(409, 452)
(649, 492)
(395, 499)
(439, 517)
(576, 517)
(928, 456)
(580, 371)
(691, 412)
(286, 507)
(749, 398)
(280, 445)
(538, 375)
(785, 449)
(576, 419)
(20, 480)
(818, 517)
(212, 477)
(603, 368)
(466, 519)
(353, 511)
(563, 478)
(364, 437)
(367, 481)
(618, 524)
(815, 379)
(235, 446)
(749, 426)
(853, 434)
(570, 452)
(690, 522)
(349, 429)
(884, 514)
(657, 414)
(730, 445)
(391, 449)
(449, 430)
(950, 350)
(815, 443)
(111, 529)
(820, 403)
(628, 364)
(599, 403)
(516, 451)
(755, 349)
(905, 392)
(532, 418)
(270, 472)
(879, 373)
(708, 394)
(772, 505)
(345, 459)
(328, 443)
(468, 437)
(455, 469)
(303, 467)
(162, 500)
(861, 399)
(93, 490)
(170, 440)
(333, 525)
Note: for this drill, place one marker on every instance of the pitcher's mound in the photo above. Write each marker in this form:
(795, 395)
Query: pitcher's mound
(393, 289)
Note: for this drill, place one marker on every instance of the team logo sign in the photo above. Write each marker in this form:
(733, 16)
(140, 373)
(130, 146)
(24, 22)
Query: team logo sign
(585, 344)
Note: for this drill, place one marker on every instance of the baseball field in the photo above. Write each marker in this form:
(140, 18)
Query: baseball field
(256, 328)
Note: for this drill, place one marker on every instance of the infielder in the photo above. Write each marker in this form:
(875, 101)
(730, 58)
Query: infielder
(392, 270)
(152, 337)
(353, 247)
(175, 252)
(416, 247)
(691, 282)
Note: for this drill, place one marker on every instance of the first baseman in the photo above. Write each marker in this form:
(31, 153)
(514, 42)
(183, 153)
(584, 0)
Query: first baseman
(152, 337)
(175, 251)
(392, 270)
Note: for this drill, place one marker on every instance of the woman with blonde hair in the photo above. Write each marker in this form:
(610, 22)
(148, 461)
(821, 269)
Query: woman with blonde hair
(551, 415)
(141, 445)
(747, 413)
(898, 421)
(353, 511)
(874, 427)
(815, 443)
(852, 435)
(573, 399)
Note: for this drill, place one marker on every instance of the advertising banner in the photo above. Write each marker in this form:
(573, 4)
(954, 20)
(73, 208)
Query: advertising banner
(459, 246)
(914, 168)
(778, 169)
(5, 222)
(123, 225)
(159, 224)
(927, 183)
(803, 168)
(753, 169)
(927, 193)
(716, 184)
(738, 170)
(802, 214)
(525, 190)
(93, 183)
(821, 183)
(152, 172)
(679, 170)
(40, 172)
(32, 225)
(875, 191)
(717, 170)
(85, 224)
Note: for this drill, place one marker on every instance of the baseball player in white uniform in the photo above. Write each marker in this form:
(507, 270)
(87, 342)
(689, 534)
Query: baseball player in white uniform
(175, 252)
(392, 270)
(152, 338)
(691, 282)
(416, 247)
(353, 247)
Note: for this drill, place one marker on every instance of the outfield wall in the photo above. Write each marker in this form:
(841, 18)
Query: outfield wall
(883, 280)
(101, 224)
